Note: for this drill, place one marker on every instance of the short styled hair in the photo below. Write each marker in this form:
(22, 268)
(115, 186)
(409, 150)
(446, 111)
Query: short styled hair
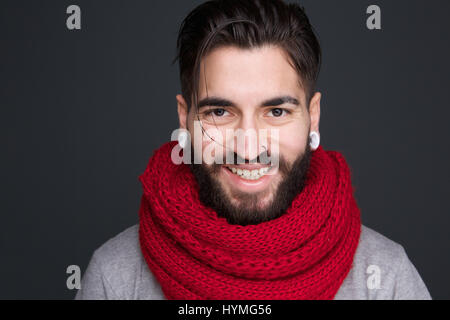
(246, 24)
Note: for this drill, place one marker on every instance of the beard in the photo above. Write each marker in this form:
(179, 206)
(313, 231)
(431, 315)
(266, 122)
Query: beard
(247, 209)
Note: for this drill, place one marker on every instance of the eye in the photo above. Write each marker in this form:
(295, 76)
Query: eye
(278, 112)
(218, 112)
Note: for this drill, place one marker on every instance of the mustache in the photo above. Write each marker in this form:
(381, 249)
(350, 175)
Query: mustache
(232, 158)
(262, 158)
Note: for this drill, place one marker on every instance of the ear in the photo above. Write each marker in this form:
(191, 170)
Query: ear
(182, 111)
(314, 111)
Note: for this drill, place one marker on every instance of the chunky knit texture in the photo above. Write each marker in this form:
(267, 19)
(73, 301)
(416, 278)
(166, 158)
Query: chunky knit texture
(195, 254)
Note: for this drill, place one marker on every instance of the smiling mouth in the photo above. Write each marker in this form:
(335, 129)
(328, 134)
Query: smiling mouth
(254, 174)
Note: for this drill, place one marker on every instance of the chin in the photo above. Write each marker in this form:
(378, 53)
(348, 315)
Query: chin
(258, 200)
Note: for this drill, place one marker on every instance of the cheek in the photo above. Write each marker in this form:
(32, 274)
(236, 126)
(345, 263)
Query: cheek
(208, 145)
(213, 144)
(291, 145)
(202, 134)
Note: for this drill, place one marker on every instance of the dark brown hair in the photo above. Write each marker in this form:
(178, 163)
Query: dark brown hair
(246, 24)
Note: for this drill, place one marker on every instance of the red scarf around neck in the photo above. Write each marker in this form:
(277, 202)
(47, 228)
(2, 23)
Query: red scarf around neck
(195, 254)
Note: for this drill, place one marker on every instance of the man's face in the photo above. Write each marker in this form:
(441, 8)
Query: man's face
(246, 85)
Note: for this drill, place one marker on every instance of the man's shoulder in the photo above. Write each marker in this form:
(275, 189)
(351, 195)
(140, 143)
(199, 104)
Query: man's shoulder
(122, 247)
(124, 269)
(118, 270)
(377, 252)
(381, 270)
(374, 246)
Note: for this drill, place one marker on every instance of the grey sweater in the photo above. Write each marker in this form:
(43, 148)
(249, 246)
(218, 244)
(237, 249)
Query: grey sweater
(381, 270)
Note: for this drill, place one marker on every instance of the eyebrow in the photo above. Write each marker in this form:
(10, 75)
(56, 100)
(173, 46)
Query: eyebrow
(272, 102)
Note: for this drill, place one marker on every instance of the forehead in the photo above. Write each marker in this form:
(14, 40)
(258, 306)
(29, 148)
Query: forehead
(248, 75)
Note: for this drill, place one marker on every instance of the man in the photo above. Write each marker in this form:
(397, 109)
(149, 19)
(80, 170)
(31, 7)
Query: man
(249, 228)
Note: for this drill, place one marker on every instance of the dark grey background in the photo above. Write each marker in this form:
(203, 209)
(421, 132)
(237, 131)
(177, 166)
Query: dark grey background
(81, 112)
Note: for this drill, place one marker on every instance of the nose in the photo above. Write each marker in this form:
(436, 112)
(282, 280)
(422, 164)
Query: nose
(246, 138)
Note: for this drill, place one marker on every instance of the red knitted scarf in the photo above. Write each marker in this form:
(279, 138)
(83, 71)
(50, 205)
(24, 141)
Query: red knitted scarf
(195, 254)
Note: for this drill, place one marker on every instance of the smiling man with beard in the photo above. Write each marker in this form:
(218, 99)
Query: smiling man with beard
(248, 229)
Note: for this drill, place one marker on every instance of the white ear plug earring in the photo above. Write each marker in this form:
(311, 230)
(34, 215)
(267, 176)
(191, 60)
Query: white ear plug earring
(315, 140)
(182, 137)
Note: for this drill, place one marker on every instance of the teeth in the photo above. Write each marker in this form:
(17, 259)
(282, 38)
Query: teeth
(250, 174)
